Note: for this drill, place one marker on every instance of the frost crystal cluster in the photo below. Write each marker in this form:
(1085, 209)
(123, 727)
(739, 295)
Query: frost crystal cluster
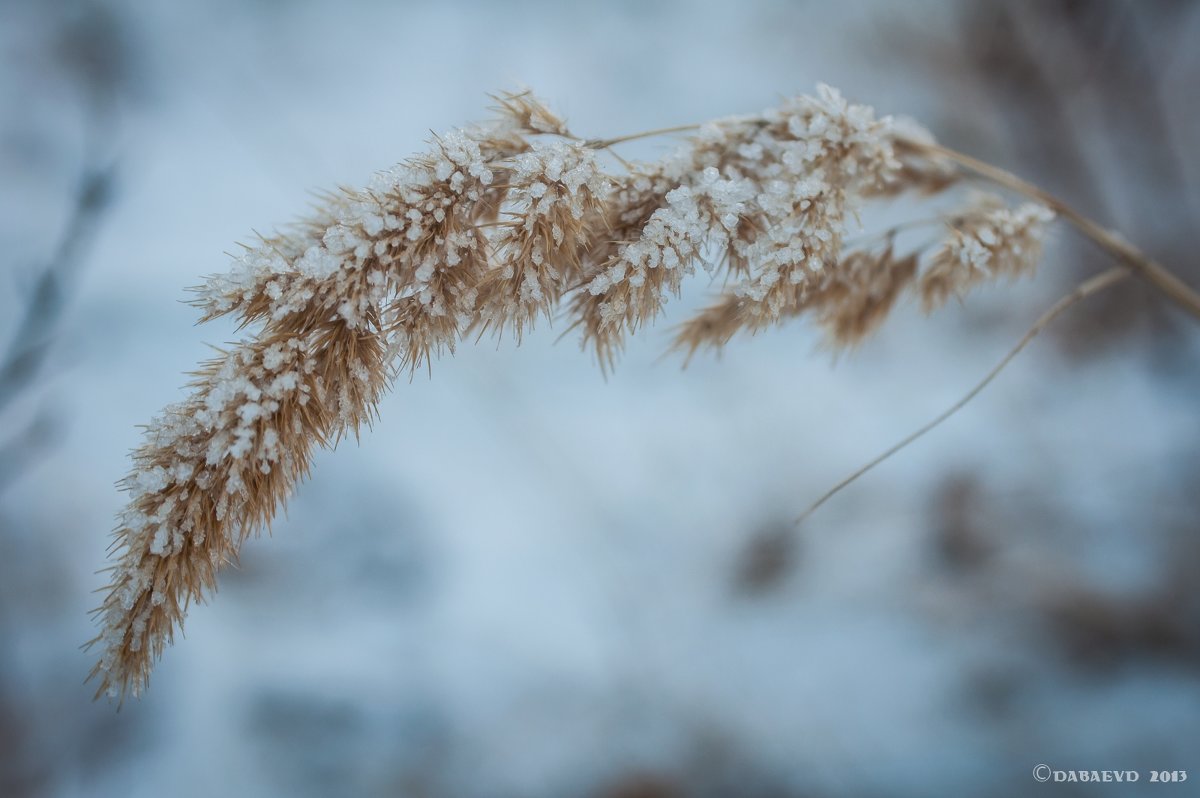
(987, 243)
(492, 228)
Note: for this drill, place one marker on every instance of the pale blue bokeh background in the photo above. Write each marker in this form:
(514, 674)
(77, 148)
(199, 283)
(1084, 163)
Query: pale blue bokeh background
(529, 581)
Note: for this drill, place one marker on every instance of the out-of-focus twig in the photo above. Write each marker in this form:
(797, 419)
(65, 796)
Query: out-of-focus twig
(90, 49)
(15, 452)
(26, 351)
(1084, 290)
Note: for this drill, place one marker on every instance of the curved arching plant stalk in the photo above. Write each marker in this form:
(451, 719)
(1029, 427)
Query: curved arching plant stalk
(499, 225)
(1157, 275)
(1087, 288)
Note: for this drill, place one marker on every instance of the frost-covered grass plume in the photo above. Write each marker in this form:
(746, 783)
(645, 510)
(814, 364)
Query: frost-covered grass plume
(497, 226)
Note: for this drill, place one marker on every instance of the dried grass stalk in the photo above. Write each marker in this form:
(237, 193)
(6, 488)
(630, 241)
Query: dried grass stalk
(493, 227)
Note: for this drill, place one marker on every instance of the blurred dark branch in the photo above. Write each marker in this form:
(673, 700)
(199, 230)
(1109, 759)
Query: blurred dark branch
(766, 560)
(90, 48)
(1140, 117)
(1115, 62)
(27, 350)
(1021, 84)
(1081, 94)
(1036, 59)
(1097, 628)
(16, 453)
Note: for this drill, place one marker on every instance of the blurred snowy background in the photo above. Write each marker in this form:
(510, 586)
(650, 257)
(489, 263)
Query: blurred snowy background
(530, 581)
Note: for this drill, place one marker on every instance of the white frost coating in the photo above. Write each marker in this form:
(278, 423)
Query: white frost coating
(676, 235)
(790, 176)
(554, 186)
(793, 174)
(573, 171)
(372, 231)
(812, 177)
(1001, 241)
(227, 431)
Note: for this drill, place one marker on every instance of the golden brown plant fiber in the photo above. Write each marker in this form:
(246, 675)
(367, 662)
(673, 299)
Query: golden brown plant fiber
(496, 226)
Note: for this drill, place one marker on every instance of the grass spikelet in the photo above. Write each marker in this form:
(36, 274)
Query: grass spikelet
(497, 225)
(990, 243)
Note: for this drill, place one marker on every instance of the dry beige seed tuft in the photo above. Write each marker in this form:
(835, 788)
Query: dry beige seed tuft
(989, 243)
(493, 227)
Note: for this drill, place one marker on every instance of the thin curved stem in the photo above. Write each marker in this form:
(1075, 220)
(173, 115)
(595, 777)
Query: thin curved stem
(601, 144)
(1162, 279)
(1130, 256)
(1084, 290)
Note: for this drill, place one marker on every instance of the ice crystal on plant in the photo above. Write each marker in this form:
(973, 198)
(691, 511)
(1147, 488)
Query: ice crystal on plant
(989, 242)
(494, 227)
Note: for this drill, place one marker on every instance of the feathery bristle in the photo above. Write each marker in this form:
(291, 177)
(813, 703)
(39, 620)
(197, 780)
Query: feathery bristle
(493, 227)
